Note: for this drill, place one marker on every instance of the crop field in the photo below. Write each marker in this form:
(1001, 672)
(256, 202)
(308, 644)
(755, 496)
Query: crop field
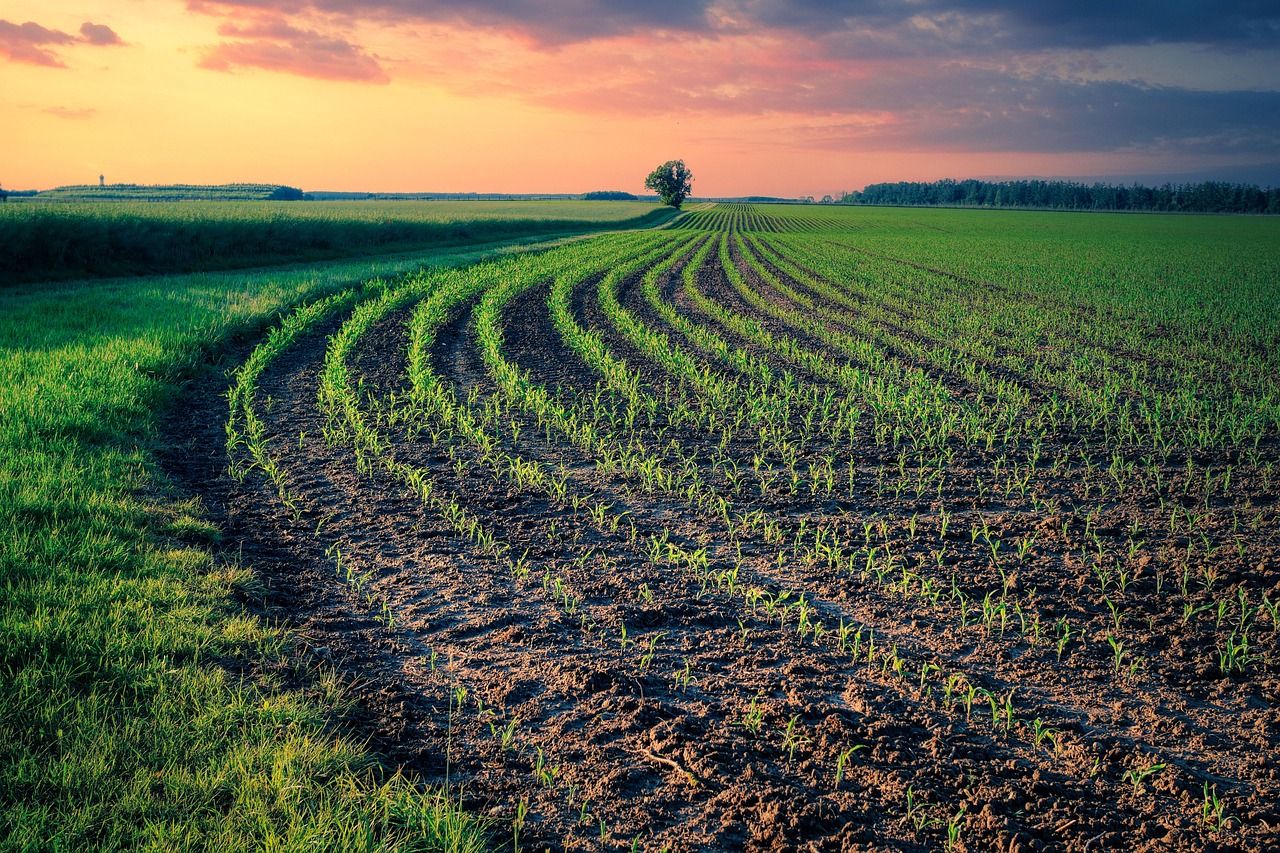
(795, 528)
(780, 528)
(40, 241)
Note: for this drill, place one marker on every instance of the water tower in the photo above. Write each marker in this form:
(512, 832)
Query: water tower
(102, 180)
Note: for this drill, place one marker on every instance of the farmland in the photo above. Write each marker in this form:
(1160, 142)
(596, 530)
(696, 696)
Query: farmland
(64, 240)
(779, 527)
(789, 526)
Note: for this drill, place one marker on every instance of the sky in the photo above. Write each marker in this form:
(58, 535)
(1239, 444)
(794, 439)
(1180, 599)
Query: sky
(784, 97)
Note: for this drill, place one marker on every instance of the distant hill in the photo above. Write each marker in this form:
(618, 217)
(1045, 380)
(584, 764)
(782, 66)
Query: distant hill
(173, 192)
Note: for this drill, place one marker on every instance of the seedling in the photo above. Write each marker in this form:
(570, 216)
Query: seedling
(517, 825)
(1213, 812)
(793, 739)
(1041, 733)
(954, 825)
(1115, 613)
(916, 810)
(842, 759)
(753, 719)
(1117, 652)
(1234, 655)
(682, 678)
(1137, 776)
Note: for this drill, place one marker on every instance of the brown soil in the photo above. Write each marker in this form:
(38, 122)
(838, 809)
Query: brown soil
(726, 733)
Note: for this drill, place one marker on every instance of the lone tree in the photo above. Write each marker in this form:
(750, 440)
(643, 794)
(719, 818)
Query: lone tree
(672, 181)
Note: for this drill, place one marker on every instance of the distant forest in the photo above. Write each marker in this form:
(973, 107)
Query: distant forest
(1206, 197)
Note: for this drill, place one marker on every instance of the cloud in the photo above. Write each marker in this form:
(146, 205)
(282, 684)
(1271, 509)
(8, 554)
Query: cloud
(26, 43)
(99, 34)
(550, 22)
(273, 44)
(807, 98)
(986, 110)
(908, 24)
(30, 42)
(1017, 24)
(70, 113)
(913, 75)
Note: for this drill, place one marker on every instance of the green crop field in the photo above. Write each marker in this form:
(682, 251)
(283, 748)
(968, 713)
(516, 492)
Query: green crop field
(774, 528)
(42, 240)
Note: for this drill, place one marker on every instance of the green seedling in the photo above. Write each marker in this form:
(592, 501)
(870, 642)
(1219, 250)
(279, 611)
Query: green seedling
(842, 760)
(753, 719)
(1213, 811)
(1137, 776)
(792, 739)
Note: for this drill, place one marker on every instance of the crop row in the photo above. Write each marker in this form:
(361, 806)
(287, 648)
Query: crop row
(811, 442)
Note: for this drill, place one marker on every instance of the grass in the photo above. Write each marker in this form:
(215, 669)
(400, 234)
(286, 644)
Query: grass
(139, 707)
(60, 241)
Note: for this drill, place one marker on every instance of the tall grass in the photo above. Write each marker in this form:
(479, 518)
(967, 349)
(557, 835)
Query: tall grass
(40, 242)
(122, 726)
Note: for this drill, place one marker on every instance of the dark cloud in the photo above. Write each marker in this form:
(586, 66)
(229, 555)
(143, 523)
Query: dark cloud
(1055, 115)
(1010, 24)
(30, 42)
(549, 21)
(99, 34)
(1017, 24)
(276, 45)
(980, 110)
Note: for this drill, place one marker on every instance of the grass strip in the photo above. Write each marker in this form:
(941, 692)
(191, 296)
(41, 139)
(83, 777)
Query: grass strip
(140, 708)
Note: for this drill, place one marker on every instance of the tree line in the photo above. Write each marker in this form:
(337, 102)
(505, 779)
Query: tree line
(1204, 197)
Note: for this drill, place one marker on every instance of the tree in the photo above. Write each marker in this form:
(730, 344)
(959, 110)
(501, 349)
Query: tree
(672, 181)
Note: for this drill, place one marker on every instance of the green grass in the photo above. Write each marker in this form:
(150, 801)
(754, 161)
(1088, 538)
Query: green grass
(122, 725)
(42, 241)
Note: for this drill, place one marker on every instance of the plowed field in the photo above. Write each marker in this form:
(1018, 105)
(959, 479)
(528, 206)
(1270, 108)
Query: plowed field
(772, 531)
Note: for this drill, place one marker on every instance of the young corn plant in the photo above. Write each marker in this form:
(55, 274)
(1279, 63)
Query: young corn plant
(753, 719)
(1138, 775)
(1213, 811)
(842, 761)
(793, 739)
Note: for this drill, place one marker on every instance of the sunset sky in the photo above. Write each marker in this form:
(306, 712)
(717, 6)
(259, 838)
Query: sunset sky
(794, 97)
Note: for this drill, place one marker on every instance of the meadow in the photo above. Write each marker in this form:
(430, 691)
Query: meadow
(780, 527)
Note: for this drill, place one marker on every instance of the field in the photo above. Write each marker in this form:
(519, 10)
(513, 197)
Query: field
(40, 241)
(777, 528)
(792, 528)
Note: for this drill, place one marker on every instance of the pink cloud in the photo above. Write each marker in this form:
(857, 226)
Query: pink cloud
(99, 34)
(929, 82)
(29, 42)
(69, 113)
(26, 43)
(727, 75)
(275, 45)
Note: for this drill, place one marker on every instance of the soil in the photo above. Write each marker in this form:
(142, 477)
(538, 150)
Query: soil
(625, 702)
